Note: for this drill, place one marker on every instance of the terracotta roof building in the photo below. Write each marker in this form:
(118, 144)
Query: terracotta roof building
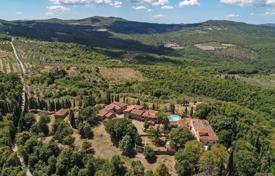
(150, 115)
(136, 114)
(106, 114)
(117, 107)
(62, 113)
(203, 131)
(129, 109)
(111, 110)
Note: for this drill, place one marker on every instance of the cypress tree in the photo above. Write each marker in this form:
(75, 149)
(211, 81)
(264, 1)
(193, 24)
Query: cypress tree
(57, 105)
(192, 111)
(72, 119)
(230, 165)
(138, 102)
(186, 110)
(172, 108)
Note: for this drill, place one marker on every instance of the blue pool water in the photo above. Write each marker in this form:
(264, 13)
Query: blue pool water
(175, 118)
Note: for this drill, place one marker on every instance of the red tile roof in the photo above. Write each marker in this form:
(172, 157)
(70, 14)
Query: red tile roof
(116, 106)
(204, 130)
(111, 106)
(181, 123)
(61, 113)
(137, 112)
(120, 104)
(105, 113)
(151, 114)
(131, 107)
(109, 114)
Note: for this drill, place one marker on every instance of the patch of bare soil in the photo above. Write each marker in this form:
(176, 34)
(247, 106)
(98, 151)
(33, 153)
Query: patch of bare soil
(46, 69)
(174, 46)
(120, 75)
(73, 71)
(200, 32)
(102, 30)
(102, 143)
(211, 46)
(77, 139)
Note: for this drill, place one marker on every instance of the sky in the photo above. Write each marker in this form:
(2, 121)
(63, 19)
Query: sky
(158, 11)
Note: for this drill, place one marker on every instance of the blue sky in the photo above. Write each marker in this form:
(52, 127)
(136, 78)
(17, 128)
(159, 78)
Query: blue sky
(160, 11)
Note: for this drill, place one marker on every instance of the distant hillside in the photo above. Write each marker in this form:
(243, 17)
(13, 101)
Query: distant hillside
(91, 31)
(269, 24)
(237, 45)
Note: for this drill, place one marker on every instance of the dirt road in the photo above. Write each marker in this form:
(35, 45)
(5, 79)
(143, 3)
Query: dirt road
(23, 73)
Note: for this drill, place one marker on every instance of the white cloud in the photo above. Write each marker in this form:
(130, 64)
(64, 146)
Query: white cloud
(117, 4)
(157, 16)
(57, 8)
(189, 3)
(19, 13)
(270, 2)
(52, 10)
(156, 2)
(140, 8)
(269, 13)
(248, 2)
(81, 2)
(167, 7)
(151, 2)
(232, 15)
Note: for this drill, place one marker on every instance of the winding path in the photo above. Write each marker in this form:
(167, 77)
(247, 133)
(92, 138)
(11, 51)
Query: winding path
(23, 69)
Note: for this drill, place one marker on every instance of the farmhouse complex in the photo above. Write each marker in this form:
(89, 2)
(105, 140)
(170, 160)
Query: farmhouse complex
(201, 129)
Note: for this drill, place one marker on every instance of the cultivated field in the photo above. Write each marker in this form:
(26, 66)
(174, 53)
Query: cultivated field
(4, 54)
(8, 64)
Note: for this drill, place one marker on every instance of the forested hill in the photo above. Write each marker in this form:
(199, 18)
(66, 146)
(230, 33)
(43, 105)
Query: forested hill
(270, 24)
(229, 46)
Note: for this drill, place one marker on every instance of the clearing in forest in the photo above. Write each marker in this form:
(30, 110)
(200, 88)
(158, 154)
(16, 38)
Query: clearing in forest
(174, 46)
(102, 144)
(120, 75)
(46, 69)
(211, 46)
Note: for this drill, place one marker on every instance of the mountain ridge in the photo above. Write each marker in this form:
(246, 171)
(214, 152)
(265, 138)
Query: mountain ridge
(112, 18)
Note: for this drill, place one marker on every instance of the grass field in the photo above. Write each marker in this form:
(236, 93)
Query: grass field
(120, 75)
(102, 143)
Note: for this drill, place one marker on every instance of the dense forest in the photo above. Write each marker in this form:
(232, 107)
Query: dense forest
(10, 87)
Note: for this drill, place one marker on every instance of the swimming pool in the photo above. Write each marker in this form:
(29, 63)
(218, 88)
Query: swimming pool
(175, 117)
